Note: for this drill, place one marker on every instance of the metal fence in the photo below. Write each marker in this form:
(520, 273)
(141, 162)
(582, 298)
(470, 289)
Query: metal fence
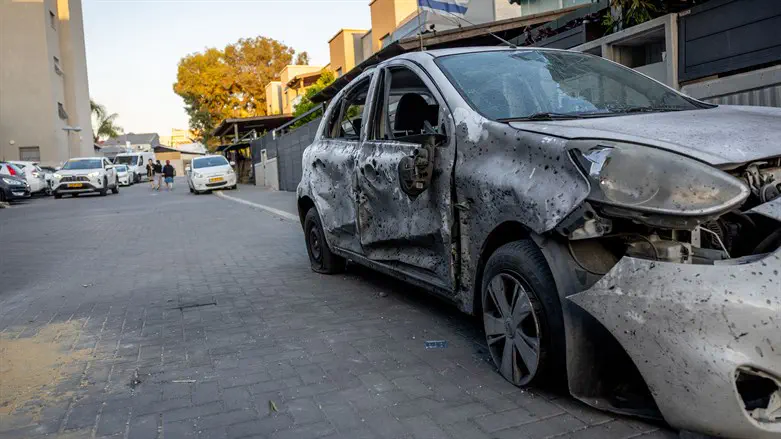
(287, 148)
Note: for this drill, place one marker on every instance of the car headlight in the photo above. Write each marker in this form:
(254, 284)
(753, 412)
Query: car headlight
(197, 175)
(656, 181)
(57, 176)
(12, 182)
(93, 175)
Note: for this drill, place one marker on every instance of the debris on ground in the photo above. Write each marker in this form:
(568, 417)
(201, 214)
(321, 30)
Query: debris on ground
(435, 344)
(272, 407)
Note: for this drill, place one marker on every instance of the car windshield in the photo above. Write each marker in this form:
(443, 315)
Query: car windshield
(527, 84)
(125, 160)
(83, 164)
(208, 162)
(19, 165)
(121, 168)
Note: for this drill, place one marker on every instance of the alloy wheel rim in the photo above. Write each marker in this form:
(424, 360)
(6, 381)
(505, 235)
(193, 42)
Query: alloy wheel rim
(512, 328)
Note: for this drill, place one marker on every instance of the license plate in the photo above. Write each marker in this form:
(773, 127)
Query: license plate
(215, 179)
(75, 185)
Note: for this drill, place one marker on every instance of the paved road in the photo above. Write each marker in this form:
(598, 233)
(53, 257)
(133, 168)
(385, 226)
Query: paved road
(168, 315)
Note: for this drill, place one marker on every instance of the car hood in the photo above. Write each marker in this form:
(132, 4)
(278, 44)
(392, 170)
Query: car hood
(720, 136)
(213, 170)
(66, 172)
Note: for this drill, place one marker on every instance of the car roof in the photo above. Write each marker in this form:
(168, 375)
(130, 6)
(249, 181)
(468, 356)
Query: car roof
(86, 158)
(208, 156)
(437, 53)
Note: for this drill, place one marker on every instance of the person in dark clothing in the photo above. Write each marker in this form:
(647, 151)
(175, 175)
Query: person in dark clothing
(158, 170)
(150, 173)
(168, 173)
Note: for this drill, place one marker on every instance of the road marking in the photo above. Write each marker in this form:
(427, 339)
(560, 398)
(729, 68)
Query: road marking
(286, 215)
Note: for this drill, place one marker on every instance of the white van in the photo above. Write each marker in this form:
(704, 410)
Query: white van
(136, 162)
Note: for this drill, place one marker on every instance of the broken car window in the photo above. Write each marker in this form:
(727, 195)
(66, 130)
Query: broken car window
(409, 106)
(521, 84)
(348, 114)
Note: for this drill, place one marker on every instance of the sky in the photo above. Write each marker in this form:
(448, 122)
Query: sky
(134, 46)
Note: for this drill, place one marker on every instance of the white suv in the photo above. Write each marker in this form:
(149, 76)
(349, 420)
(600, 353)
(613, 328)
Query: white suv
(85, 174)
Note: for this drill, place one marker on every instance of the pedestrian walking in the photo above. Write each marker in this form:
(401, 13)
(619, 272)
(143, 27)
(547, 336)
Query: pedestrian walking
(158, 170)
(169, 172)
(150, 173)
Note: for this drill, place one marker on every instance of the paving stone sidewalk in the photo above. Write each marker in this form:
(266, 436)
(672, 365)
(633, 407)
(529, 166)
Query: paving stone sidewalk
(182, 316)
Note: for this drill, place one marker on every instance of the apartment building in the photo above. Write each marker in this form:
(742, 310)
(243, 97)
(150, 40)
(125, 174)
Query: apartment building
(44, 96)
(294, 80)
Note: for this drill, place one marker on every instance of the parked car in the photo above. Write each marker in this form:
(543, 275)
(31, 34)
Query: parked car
(210, 172)
(124, 174)
(35, 176)
(48, 173)
(7, 168)
(611, 232)
(13, 188)
(136, 163)
(84, 175)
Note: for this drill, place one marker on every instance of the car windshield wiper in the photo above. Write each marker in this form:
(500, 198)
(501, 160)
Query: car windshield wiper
(543, 116)
(657, 109)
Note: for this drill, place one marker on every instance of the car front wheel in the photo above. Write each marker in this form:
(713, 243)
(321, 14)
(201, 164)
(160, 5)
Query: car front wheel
(321, 258)
(522, 315)
(115, 189)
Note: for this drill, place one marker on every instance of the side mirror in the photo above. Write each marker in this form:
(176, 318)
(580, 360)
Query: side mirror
(109, 167)
(233, 163)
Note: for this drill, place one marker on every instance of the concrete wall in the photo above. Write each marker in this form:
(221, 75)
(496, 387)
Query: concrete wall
(274, 98)
(759, 87)
(30, 88)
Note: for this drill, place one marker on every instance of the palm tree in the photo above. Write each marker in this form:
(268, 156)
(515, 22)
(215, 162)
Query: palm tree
(104, 124)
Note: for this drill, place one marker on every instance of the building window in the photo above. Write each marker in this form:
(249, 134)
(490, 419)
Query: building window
(30, 153)
(52, 20)
(61, 111)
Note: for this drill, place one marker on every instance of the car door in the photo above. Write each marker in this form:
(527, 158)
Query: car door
(330, 163)
(404, 178)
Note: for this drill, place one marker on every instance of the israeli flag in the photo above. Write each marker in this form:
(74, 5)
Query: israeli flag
(450, 7)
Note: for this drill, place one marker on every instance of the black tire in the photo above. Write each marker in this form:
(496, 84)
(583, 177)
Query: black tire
(104, 191)
(115, 189)
(234, 187)
(57, 196)
(191, 190)
(2, 197)
(321, 258)
(520, 266)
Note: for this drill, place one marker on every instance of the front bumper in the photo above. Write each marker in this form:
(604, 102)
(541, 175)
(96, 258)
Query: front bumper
(124, 180)
(63, 188)
(690, 328)
(203, 183)
(16, 192)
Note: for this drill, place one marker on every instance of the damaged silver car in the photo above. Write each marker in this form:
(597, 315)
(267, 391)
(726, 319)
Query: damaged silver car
(608, 230)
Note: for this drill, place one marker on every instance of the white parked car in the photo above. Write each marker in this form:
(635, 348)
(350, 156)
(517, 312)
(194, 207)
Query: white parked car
(84, 175)
(34, 175)
(125, 175)
(210, 172)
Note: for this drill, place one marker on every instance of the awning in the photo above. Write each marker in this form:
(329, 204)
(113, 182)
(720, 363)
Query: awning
(242, 126)
(231, 146)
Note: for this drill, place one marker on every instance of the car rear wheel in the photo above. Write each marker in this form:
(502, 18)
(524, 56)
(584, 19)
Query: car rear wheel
(321, 258)
(522, 315)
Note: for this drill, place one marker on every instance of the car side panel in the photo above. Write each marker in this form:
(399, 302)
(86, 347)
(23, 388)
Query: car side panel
(504, 175)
